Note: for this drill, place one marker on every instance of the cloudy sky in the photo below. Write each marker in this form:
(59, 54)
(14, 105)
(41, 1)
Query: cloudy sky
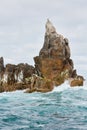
(22, 28)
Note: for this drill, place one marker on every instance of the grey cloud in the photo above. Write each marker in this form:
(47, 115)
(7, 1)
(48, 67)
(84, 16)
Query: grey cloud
(22, 26)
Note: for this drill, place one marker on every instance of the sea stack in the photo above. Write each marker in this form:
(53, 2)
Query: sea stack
(52, 68)
(54, 62)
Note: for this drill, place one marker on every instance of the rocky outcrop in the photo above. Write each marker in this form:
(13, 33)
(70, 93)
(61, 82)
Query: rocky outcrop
(78, 80)
(52, 67)
(13, 77)
(54, 62)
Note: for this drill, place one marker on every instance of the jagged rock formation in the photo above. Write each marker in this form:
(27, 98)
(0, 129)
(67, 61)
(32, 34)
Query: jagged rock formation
(13, 77)
(54, 60)
(52, 67)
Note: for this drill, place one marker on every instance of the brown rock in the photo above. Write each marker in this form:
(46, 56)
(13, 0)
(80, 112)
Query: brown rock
(54, 61)
(48, 68)
(52, 67)
(40, 84)
(14, 77)
(78, 81)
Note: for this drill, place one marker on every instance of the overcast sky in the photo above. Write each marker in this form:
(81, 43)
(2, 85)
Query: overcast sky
(22, 28)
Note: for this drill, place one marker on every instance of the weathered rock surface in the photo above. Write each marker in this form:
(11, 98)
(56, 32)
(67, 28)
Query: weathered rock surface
(13, 77)
(54, 62)
(52, 67)
(40, 84)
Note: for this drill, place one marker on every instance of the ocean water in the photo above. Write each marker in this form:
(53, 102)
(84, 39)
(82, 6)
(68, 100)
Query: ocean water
(64, 108)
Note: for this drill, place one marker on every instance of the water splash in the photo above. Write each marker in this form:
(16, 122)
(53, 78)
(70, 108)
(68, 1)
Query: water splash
(61, 87)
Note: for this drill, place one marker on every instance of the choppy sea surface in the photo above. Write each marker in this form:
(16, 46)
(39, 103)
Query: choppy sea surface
(64, 108)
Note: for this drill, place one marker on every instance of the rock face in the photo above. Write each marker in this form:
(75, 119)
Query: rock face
(40, 84)
(54, 60)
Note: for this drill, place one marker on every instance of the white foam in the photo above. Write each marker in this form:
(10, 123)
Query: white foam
(61, 87)
(67, 86)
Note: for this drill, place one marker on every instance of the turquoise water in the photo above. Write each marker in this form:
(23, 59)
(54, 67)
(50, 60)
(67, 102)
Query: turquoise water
(64, 108)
